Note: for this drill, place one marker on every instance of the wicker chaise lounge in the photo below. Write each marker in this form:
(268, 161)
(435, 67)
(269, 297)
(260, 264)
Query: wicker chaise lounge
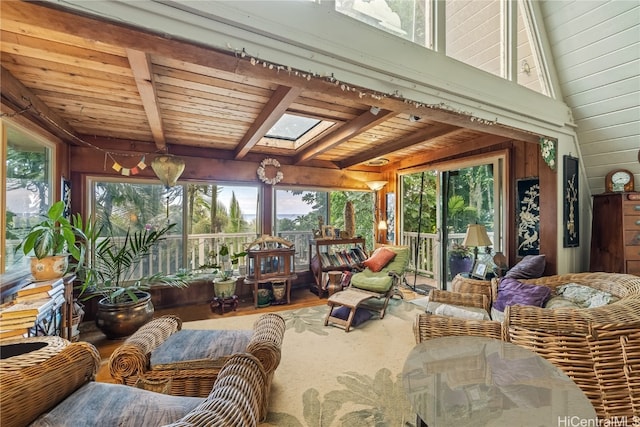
(54, 386)
(599, 348)
(188, 361)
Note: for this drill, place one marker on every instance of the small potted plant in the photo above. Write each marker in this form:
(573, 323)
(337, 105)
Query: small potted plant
(224, 286)
(52, 241)
(235, 260)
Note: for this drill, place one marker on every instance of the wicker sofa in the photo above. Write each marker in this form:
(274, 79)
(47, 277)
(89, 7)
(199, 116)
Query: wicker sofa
(599, 348)
(54, 385)
(188, 361)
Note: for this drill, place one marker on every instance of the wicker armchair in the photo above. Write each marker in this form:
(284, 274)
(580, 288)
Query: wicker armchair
(596, 347)
(191, 370)
(54, 386)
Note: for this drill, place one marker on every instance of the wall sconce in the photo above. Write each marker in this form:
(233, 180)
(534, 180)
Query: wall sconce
(168, 169)
(525, 68)
(376, 185)
(476, 236)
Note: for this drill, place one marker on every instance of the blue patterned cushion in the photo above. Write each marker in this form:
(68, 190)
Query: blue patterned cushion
(199, 348)
(103, 404)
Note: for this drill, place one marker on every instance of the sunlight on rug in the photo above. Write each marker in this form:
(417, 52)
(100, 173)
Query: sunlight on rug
(328, 377)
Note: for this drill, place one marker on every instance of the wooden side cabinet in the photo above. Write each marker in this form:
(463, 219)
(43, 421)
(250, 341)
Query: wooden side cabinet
(615, 233)
(268, 266)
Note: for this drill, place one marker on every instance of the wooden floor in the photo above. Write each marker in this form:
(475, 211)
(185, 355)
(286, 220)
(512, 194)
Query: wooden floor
(300, 297)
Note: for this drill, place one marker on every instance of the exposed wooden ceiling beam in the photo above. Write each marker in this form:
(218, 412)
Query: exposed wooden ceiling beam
(360, 124)
(277, 105)
(426, 158)
(390, 147)
(23, 98)
(141, 68)
(121, 35)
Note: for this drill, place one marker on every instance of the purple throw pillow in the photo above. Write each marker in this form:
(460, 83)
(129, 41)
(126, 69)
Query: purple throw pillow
(361, 315)
(529, 267)
(512, 292)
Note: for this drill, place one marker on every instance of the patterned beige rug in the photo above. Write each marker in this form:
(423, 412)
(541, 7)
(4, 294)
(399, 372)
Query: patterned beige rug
(328, 377)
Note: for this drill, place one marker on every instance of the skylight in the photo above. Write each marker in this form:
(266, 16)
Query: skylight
(291, 128)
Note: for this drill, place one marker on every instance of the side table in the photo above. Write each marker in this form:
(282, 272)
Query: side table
(221, 303)
(478, 381)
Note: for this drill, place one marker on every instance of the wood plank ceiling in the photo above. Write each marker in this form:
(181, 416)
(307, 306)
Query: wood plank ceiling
(81, 78)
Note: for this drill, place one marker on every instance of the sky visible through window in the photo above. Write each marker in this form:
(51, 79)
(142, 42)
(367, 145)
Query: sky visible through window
(288, 204)
(291, 127)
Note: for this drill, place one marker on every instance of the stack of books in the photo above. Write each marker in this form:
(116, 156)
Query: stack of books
(33, 305)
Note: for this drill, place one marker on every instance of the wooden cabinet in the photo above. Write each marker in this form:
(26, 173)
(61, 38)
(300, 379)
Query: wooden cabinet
(274, 265)
(615, 233)
(324, 256)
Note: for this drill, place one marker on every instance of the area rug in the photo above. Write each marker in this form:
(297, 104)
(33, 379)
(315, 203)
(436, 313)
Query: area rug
(328, 377)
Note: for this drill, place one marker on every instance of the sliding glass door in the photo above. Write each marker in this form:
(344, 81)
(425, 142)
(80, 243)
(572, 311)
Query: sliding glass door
(439, 204)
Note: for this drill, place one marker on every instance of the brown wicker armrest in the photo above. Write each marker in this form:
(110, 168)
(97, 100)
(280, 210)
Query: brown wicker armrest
(131, 359)
(463, 299)
(428, 326)
(266, 340)
(236, 397)
(33, 390)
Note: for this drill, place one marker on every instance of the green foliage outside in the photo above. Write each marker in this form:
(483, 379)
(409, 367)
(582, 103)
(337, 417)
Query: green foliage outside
(332, 203)
(470, 200)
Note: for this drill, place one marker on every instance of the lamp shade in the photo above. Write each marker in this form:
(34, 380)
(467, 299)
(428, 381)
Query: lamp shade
(376, 185)
(382, 225)
(168, 168)
(476, 236)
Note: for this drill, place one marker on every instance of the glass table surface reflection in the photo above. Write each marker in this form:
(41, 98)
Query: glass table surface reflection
(475, 381)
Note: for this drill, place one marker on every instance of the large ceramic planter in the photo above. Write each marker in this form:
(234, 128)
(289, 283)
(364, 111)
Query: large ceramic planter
(123, 319)
(50, 267)
(460, 265)
(224, 288)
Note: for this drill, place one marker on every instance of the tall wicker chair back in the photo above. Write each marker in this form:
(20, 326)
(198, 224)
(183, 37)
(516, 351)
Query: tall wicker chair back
(599, 348)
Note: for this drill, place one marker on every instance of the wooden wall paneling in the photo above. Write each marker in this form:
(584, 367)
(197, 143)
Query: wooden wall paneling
(548, 215)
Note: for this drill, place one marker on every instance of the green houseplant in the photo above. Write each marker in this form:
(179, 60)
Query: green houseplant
(124, 301)
(52, 241)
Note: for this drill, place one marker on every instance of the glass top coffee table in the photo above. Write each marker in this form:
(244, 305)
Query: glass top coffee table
(475, 381)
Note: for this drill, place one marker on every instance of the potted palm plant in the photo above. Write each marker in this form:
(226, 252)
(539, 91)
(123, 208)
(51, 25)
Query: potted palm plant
(51, 241)
(124, 301)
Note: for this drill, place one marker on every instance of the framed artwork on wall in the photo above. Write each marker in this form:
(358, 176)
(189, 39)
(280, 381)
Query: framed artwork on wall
(528, 216)
(570, 212)
(65, 191)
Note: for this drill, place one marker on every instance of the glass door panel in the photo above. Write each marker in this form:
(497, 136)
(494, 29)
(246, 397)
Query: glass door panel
(438, 204)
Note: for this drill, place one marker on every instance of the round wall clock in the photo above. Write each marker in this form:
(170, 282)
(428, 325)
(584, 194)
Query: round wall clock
(619, 180)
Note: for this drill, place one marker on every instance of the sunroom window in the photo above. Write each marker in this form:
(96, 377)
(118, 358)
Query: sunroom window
(28, 171)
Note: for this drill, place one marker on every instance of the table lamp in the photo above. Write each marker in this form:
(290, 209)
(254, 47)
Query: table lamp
(476, 236)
